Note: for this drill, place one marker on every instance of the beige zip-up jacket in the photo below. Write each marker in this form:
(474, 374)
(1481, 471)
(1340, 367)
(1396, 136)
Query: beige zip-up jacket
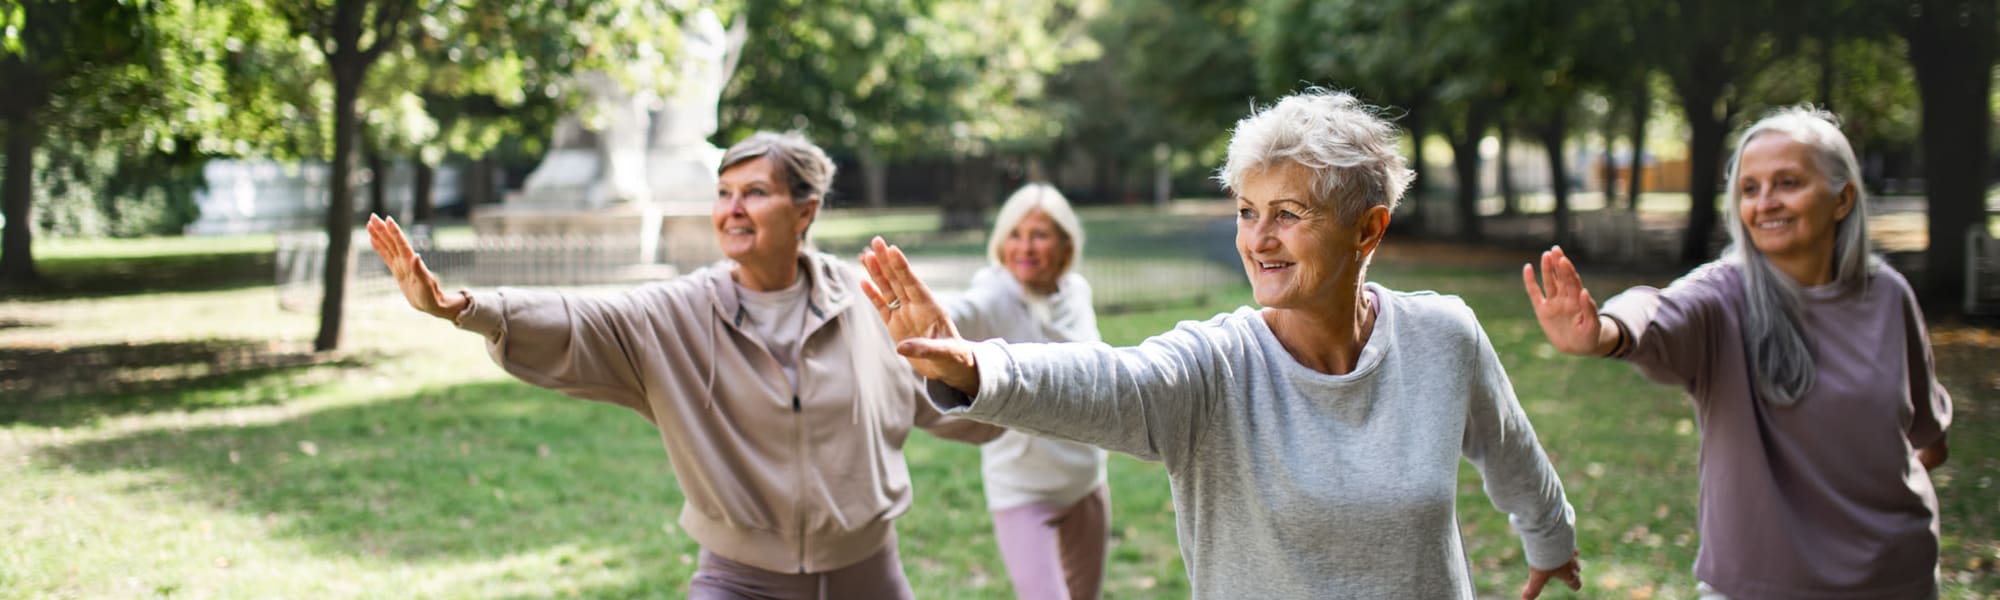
(801, 483)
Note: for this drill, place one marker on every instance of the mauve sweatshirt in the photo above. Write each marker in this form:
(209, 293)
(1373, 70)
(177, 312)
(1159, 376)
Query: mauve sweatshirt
(1825, 498)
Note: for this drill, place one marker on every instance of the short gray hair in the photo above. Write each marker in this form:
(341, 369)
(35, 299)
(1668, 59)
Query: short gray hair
(1782, 365)
(802, 167)
(1349, 146)
(1052, 203)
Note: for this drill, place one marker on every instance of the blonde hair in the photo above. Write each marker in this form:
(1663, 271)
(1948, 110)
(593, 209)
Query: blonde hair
(1052, 203)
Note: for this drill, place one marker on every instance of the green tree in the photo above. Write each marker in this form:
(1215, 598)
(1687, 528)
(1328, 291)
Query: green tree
(1708, 49)
(1179, 73)
(1951, 44)
(896, 79)
(87, 67)
(1401, 53)
(517, 43)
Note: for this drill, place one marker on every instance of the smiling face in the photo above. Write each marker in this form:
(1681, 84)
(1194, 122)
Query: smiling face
(756, 222)
(1787, 206)
(1036, 252)
(1296, 253)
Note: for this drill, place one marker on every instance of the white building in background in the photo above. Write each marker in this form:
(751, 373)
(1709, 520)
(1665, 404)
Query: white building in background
(257, 196)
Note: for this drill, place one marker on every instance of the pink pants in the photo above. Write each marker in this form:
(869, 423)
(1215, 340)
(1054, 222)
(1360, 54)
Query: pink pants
(878, 576)
(1056, 551)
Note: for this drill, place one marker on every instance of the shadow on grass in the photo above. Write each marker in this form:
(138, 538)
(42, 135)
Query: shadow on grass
(563, 489)
(102, 277)
(68, 386)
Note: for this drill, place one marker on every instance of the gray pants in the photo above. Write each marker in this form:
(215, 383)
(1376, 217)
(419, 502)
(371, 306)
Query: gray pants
(878, 576)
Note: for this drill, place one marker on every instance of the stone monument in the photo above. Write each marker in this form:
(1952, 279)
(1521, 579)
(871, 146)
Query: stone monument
(632, 165)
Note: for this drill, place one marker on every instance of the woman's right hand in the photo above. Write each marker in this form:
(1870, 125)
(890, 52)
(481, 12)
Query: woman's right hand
(923, 331)
(1564, 308)
(419, 286)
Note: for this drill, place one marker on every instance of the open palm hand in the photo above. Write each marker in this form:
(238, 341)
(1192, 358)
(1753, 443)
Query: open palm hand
(923, 332)
(1563, 306)
(419, 285)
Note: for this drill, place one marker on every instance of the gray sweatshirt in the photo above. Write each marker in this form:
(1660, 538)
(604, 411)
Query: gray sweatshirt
(1288, 482)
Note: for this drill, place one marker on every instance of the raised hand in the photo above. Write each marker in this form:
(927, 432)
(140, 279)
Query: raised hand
(1568, 573)
(419, 286)
(924, 333)
(1564, 308)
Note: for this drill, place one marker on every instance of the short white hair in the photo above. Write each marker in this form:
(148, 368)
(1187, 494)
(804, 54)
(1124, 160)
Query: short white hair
(1350, 148)
(1052, 203)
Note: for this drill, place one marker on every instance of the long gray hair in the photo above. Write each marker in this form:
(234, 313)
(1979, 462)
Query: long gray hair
(1781, 362)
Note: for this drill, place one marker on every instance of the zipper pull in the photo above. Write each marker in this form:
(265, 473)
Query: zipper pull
(795, 403)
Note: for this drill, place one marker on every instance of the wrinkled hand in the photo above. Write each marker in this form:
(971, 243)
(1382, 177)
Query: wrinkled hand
(1934, 455)
(923, 332)
(1569, 573)
(1563, 306)
(419, 286)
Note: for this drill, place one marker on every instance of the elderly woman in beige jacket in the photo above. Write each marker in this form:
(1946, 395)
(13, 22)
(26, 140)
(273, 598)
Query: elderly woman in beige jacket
(772, 381)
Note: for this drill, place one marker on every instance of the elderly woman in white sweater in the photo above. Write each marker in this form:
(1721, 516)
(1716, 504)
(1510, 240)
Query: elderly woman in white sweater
(1312, 445)
(1051, 508)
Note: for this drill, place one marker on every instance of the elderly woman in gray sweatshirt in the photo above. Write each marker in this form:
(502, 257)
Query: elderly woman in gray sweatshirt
(1313, 445)
(1051, 508)
(781, 407)
(1810, 373)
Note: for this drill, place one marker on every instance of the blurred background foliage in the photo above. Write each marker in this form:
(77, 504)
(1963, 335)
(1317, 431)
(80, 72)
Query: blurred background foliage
(120, 101)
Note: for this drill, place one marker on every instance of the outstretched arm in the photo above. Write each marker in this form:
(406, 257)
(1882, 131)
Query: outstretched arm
(1567, 313)
(923, 332)
(419, 286)
(1144, 401)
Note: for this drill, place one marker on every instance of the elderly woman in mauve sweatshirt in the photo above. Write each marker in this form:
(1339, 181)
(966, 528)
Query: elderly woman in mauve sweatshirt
(772, 382)
(1313, 445)
(1809, 369)
(1051, 507)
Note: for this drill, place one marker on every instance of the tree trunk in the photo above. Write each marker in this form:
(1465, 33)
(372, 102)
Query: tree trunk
(1419, 179)
(1706, 131)
(423, 192)
(1608, 163)
(1465, 162)
(17, 254)
(1642, 107)
(378, 182)
(1510, 199)
(340, 208)
(874, 177)
(1700, 83)
(972, 189)
(1951, 45)
(1826, 69)
(1552, 134)
(478, 183)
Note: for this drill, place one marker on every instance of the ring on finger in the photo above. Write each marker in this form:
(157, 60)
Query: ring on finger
(894, 303)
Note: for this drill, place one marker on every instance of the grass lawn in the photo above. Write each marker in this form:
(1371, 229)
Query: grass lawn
(184, 442)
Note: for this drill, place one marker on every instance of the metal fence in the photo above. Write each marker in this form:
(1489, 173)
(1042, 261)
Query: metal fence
(1119, 283)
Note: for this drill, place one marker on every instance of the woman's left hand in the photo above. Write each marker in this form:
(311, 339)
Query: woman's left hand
(1569, 573)
(923, 332)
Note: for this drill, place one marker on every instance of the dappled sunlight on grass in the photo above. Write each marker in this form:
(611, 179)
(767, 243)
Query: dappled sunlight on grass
(485, 487)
